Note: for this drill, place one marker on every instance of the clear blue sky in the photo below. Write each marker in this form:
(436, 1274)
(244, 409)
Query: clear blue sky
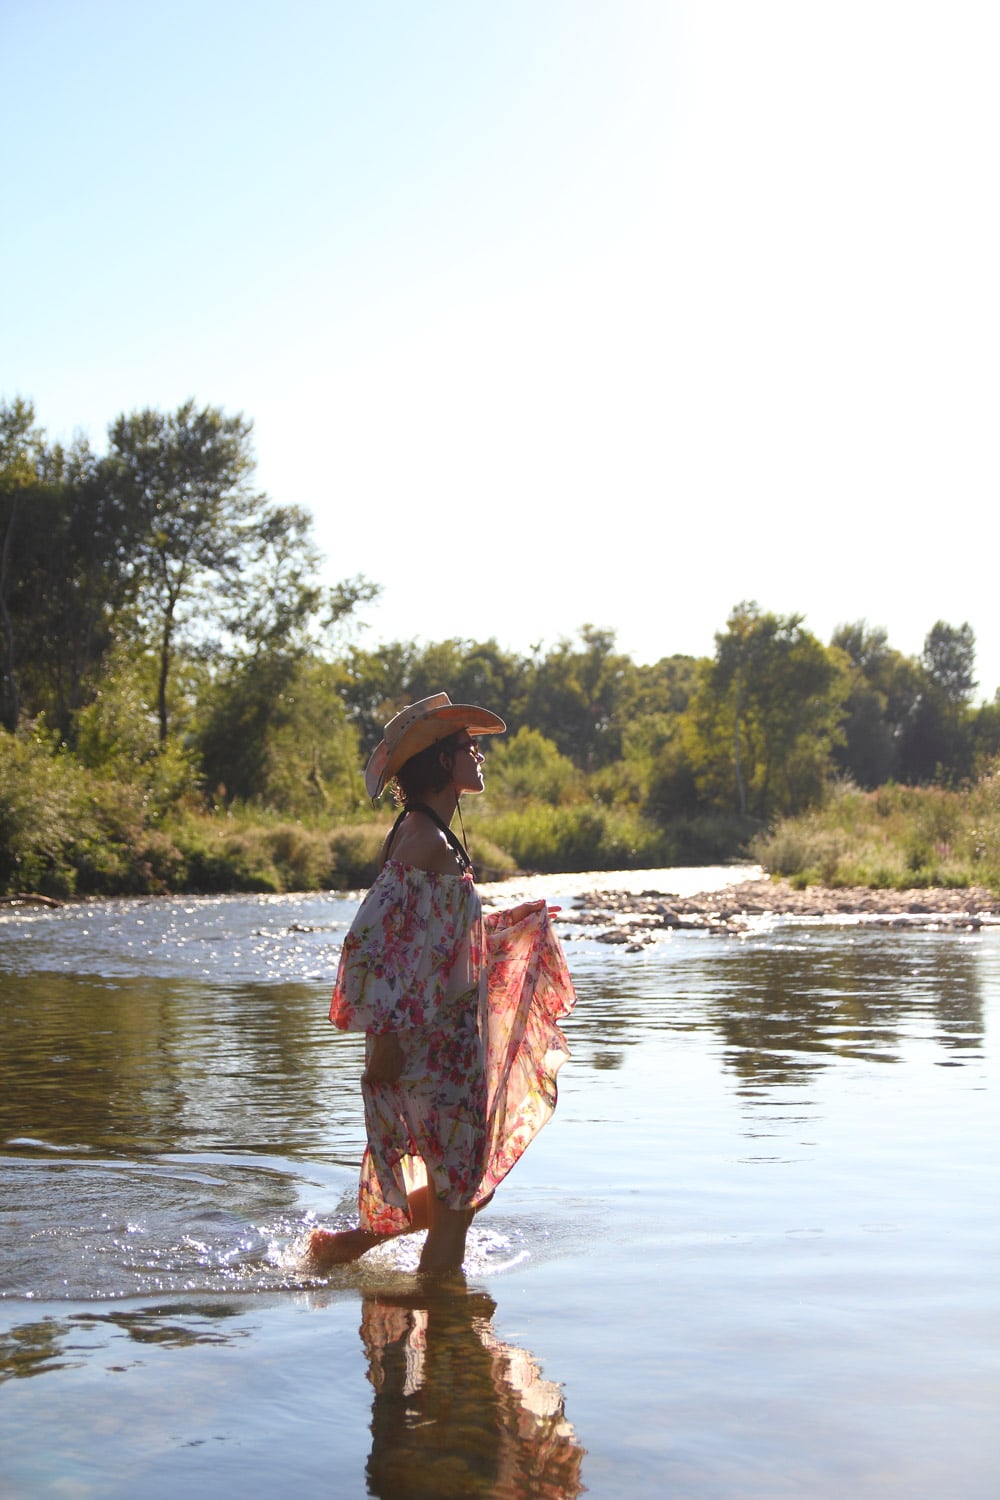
(552, 311)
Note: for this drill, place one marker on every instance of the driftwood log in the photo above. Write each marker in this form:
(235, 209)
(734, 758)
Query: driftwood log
(29, 900)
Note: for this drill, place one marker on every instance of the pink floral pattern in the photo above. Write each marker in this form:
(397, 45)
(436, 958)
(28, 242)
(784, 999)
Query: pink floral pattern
(476, 1004)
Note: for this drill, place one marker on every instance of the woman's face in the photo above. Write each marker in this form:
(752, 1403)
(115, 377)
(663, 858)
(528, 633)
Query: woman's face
(467, 765)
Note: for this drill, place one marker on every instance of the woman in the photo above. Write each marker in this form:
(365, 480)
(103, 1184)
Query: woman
(460, 1011)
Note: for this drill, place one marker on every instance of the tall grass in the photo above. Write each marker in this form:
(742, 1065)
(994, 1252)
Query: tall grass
(588, 836)
(893, 838)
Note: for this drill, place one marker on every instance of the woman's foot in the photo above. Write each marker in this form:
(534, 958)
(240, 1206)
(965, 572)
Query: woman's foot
(338, 1247)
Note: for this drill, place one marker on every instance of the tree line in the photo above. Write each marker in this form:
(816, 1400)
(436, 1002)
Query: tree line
(164, 625)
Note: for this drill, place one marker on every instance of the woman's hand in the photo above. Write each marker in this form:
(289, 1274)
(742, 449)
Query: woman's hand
(385, 1063)
(518, 913)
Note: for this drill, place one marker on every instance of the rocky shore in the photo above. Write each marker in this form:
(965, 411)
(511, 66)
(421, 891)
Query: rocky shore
(636, 920)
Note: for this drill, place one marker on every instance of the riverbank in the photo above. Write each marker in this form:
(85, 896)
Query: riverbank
(636, 919)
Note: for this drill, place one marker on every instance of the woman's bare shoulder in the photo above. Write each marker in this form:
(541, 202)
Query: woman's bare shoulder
(421, 843)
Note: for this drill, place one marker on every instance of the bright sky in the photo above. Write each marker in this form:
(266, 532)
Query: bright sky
(552, 311)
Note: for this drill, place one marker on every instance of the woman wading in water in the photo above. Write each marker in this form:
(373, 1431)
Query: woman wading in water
(460, 1011)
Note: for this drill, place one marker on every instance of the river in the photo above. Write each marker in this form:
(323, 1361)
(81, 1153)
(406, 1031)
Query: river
(754, 1255)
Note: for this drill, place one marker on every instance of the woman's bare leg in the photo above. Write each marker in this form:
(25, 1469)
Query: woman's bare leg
(339, 1247)
(444, 1248)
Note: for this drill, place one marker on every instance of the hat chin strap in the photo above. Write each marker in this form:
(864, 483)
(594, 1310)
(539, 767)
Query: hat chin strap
(461, 822)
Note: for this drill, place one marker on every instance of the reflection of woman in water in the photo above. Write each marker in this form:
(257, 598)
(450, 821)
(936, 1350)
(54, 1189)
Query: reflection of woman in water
(458, 1412)
(460, 1011)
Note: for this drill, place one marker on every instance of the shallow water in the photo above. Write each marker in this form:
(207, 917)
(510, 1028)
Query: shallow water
(754, 1254)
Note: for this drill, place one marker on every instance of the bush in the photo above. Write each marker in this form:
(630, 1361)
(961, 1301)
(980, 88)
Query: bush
(220, 861)
(65, 831)
(42, 799)
(582, 836)
(708, 839)
(895, 837)
(300, 855)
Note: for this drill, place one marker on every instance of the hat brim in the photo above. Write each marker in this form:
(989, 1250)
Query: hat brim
(436, 725)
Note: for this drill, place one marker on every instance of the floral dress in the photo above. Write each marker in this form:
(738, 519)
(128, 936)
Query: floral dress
(475, 1003)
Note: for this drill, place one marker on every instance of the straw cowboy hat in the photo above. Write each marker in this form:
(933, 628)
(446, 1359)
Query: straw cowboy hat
(421, 724)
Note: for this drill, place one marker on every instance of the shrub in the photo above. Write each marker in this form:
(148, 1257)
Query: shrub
(353, 855)
(220, 862)
(43, 798)
(300, 855)
(893, 837)
(581, 836)
(530, 766)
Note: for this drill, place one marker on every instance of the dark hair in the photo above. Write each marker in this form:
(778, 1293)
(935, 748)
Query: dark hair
(423, 772)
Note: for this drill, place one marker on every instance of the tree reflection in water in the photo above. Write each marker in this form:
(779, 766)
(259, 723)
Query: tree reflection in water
(783, 1016)
(457, 1412)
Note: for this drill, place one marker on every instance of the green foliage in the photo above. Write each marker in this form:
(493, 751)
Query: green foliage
(938, 741)
(896, 836)
(184, 478)
(117, 736)
(709, 839)
(661, 775)
(881, 695)
(377, 683)
(583, 836)
(354, 851)
(275, 732)
(588, 836)
(65, 831)
(949, 662)
(582, 695)
(764, 716)
(984, 733)
(41, 799)
(575, 697)
(911, 720)
(64, 580)
(526, 764)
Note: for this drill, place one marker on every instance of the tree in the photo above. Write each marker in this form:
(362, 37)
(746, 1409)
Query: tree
(274, 731)
(883, 692)
(575, 696)
(985, 733)
(528, 765)
(185, 478)
(273, 726)
(764, 716)
(664, 687)
(378, 683)
(64, 579)
(21, 456)
(949, 663)
(938, 744)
